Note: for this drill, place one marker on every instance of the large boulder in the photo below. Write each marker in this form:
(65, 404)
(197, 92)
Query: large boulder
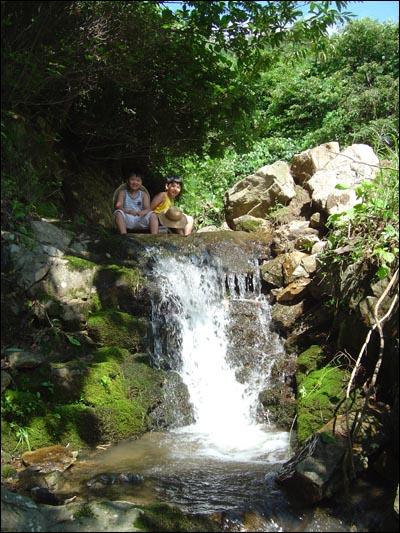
(348, 169)
(316, 471)
(256, 194)
(307, 163)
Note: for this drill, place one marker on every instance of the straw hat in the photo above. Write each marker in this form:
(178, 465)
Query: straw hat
(173, 218)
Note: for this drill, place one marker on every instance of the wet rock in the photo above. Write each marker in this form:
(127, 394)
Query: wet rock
(49, 459)
(46, 496)
(111, 479)
(316, 471)
(24, 359)
(20, 513)
(5, 380)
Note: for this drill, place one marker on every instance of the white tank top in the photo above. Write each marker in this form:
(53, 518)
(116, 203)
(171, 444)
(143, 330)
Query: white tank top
(133, 203)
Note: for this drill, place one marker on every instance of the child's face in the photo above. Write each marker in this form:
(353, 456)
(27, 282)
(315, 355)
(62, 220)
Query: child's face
(134, 182)
(173, 189)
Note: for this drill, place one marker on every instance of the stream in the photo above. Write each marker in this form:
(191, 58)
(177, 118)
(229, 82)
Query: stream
(212, 328)
(177, 467)
(224, 460)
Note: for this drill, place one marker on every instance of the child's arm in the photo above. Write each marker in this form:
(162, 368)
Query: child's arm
(146, 204)
(157, 200)
(119, 204)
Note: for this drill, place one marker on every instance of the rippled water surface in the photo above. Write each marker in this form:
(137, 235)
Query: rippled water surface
(180, 469)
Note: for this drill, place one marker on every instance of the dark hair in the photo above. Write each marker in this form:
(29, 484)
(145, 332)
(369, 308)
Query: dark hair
(134, 173)
(175, 179)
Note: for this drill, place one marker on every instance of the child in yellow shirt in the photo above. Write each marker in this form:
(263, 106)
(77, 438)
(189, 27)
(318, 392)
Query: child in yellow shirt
(166, 213)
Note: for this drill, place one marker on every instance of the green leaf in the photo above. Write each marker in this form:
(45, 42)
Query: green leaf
(334, 218)
(73, 341)
(390, 231)
(342, 187)
(383, 272)
(386, 256)
(22, 229)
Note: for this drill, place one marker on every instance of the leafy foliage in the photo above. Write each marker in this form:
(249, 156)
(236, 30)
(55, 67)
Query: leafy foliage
(371, 227)
(351, 96)
(207, 179)
(212, 90)
(127, 79)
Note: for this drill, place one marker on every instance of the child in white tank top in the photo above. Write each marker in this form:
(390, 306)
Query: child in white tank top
(132, 207)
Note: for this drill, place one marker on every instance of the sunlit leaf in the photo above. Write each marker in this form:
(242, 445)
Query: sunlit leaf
(73, 341)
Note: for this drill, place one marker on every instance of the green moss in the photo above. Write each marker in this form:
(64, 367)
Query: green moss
(75, 424)
(317, 398)
(122, 397)
(129, 275)
(20, 405)
(112, 328)
(163, 517)
(84, 511)
(145, 383)
(78, 424)
(77, 263)
(9, 440)
(7, 471)
(131, 278)
(107, 353)
(307, 362)
(124, 270)
(328, 438)
(95, 305)
(108, 397)
(121, 288)
(41, 432)
(103, 384)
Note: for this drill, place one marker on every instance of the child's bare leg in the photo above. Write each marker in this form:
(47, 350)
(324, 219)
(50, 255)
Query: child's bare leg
(153, 224)
(120, 222)
(189, 225)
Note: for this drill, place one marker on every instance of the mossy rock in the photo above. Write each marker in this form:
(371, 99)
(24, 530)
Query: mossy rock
(281, 408)
(122, 395)
(318, 397)
(74, 424)
(79, 264)
(107, 393)
(112, 328)
(307, 362)
(124, 289)
(164, 517)
(111, 398)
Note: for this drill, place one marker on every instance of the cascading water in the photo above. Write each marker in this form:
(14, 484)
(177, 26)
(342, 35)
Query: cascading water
(211, 331)
(191, 321)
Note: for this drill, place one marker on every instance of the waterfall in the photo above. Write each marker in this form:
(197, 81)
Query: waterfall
(192, 329)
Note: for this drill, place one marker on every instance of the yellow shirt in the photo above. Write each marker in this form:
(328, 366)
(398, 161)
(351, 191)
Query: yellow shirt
(165, 205)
